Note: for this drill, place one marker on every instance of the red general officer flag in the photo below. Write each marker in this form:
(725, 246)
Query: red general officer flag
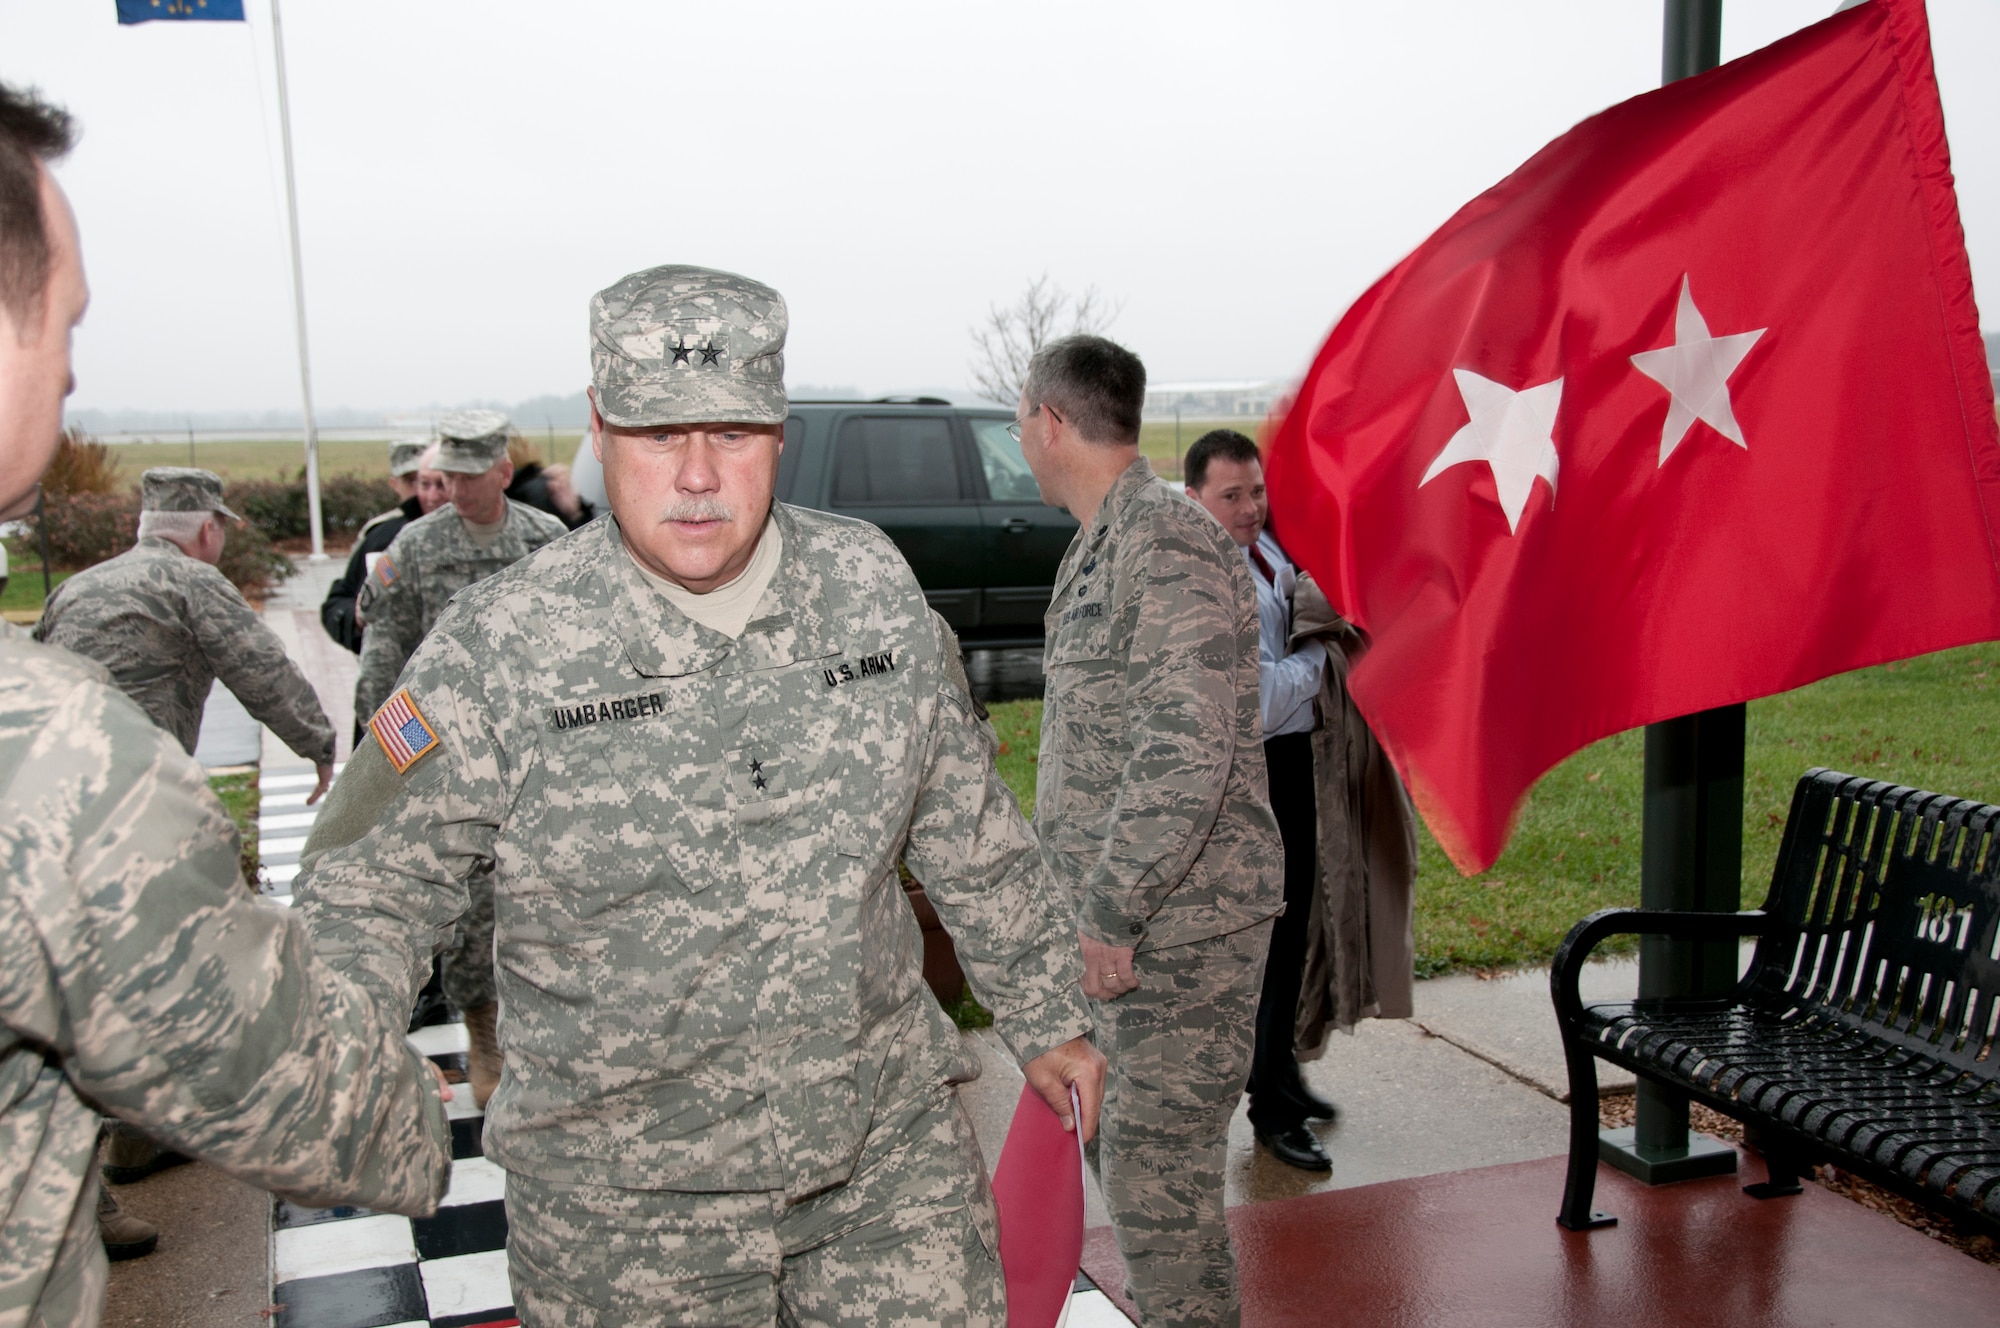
(1038, 1190)
(1689, 409)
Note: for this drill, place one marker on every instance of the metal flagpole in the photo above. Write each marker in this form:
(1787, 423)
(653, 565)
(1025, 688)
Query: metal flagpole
(1692, 857)
(298, 296)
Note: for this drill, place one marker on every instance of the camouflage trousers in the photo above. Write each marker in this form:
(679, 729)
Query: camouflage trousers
(911, 1240)
(1179, 1049)
(466, 965)
(70, 1294)
(52, 1265)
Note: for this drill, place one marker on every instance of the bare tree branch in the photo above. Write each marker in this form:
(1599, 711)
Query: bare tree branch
(1011, 335)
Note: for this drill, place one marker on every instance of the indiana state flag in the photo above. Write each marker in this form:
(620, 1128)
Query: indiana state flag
(145, 11)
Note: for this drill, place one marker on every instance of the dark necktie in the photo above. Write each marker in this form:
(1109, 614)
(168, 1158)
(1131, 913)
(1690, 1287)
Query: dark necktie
(1263, 565)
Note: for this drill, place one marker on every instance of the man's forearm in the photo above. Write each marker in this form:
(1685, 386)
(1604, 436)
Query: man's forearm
(1168, 798)
(983, 873)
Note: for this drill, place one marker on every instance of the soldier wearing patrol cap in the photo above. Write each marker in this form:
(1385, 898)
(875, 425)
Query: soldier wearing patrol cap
(168, 624)
(480, 532)
(693, 741)
(336, 612)
(436, 556)
(140, 976)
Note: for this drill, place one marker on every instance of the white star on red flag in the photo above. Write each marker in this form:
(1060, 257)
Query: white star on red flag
(1695, 371)
(1513, 432)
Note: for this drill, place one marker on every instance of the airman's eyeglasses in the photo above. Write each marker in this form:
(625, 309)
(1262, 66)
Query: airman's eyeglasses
(1014, 429)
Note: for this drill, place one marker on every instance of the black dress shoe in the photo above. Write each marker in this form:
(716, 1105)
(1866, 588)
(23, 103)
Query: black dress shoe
(1317, 1107)
(1296, 1147)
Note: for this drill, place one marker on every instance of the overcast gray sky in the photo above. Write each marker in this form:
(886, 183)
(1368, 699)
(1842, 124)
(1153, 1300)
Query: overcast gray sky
(471, 170)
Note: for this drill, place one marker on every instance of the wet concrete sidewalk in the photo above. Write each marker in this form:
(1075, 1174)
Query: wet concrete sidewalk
(1475, 1079)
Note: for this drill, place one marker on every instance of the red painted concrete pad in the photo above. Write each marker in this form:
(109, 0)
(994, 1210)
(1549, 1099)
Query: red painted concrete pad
(1482, 1248)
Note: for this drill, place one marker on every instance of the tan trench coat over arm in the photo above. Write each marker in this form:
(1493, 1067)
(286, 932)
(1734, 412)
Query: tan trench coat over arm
(1361, 946)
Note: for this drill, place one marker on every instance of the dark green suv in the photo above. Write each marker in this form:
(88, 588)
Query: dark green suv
(946, 483)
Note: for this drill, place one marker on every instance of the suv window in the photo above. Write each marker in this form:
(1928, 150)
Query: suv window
(887, 460)
(1008, 479)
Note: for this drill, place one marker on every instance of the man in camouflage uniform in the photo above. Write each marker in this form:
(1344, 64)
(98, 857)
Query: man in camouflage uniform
(136, 973)
(336, 612)
(167, 624)
(1152, 809)
(433, 558)
(436, 556)
(693, 741)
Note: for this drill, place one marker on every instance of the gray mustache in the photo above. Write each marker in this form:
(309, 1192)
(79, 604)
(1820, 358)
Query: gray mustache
(699, 509)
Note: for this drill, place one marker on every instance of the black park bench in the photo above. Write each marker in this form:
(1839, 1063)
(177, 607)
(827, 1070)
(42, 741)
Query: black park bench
(1862, 1034)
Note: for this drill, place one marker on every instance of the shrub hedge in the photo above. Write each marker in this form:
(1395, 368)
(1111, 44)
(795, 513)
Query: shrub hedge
(87, 528)
(83, 529)
(278, 507)
(89, 517)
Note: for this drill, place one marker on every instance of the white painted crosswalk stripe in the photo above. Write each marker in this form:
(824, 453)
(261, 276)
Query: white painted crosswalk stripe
(287, 821)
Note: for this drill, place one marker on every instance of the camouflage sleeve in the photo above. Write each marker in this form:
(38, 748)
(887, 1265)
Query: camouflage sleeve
(1181, 597)
(180, 1003)
(382, 879)
(973, 850)
(251, 662)
(392, 628)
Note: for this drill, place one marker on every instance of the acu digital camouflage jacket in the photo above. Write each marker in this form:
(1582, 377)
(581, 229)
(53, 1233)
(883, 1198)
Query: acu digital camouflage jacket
(1151, 801)
(709, 977)
(167, 626)
(429, 561)
(138, 976)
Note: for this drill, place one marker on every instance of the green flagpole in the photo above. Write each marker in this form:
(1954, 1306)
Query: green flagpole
(1692, 858)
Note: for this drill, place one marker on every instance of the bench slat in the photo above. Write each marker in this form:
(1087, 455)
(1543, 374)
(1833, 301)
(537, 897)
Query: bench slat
(1865, 1027)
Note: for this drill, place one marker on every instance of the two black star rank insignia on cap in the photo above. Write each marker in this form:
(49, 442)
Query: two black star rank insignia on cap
(710, 353)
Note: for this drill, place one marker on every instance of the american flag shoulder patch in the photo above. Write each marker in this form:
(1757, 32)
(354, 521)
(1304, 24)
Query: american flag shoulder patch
(406, 736)
(385, 571)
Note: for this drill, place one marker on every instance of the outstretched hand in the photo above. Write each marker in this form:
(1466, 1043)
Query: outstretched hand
(1079, 1062)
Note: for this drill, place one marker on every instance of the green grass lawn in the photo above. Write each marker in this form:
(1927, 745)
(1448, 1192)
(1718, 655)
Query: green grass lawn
(1159, 445)
(1927, 722)
(24, 587)
(254, 458)
(1019, 726)
(241, 798)
(283, 459)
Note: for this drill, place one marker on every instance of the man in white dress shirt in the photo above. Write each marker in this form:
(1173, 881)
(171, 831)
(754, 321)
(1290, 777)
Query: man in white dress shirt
(1225, 475)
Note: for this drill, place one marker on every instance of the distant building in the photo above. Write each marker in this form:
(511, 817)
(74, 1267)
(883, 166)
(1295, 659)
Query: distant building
(1245, 398)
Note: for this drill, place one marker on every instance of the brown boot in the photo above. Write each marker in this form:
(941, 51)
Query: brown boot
(130, 1156)
(482, 1057)
(124, 1236)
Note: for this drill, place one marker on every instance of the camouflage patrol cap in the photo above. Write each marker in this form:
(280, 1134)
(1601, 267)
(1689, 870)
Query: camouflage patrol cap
(688, 345)
(471, 442)
(182, 489)
(406, 457)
